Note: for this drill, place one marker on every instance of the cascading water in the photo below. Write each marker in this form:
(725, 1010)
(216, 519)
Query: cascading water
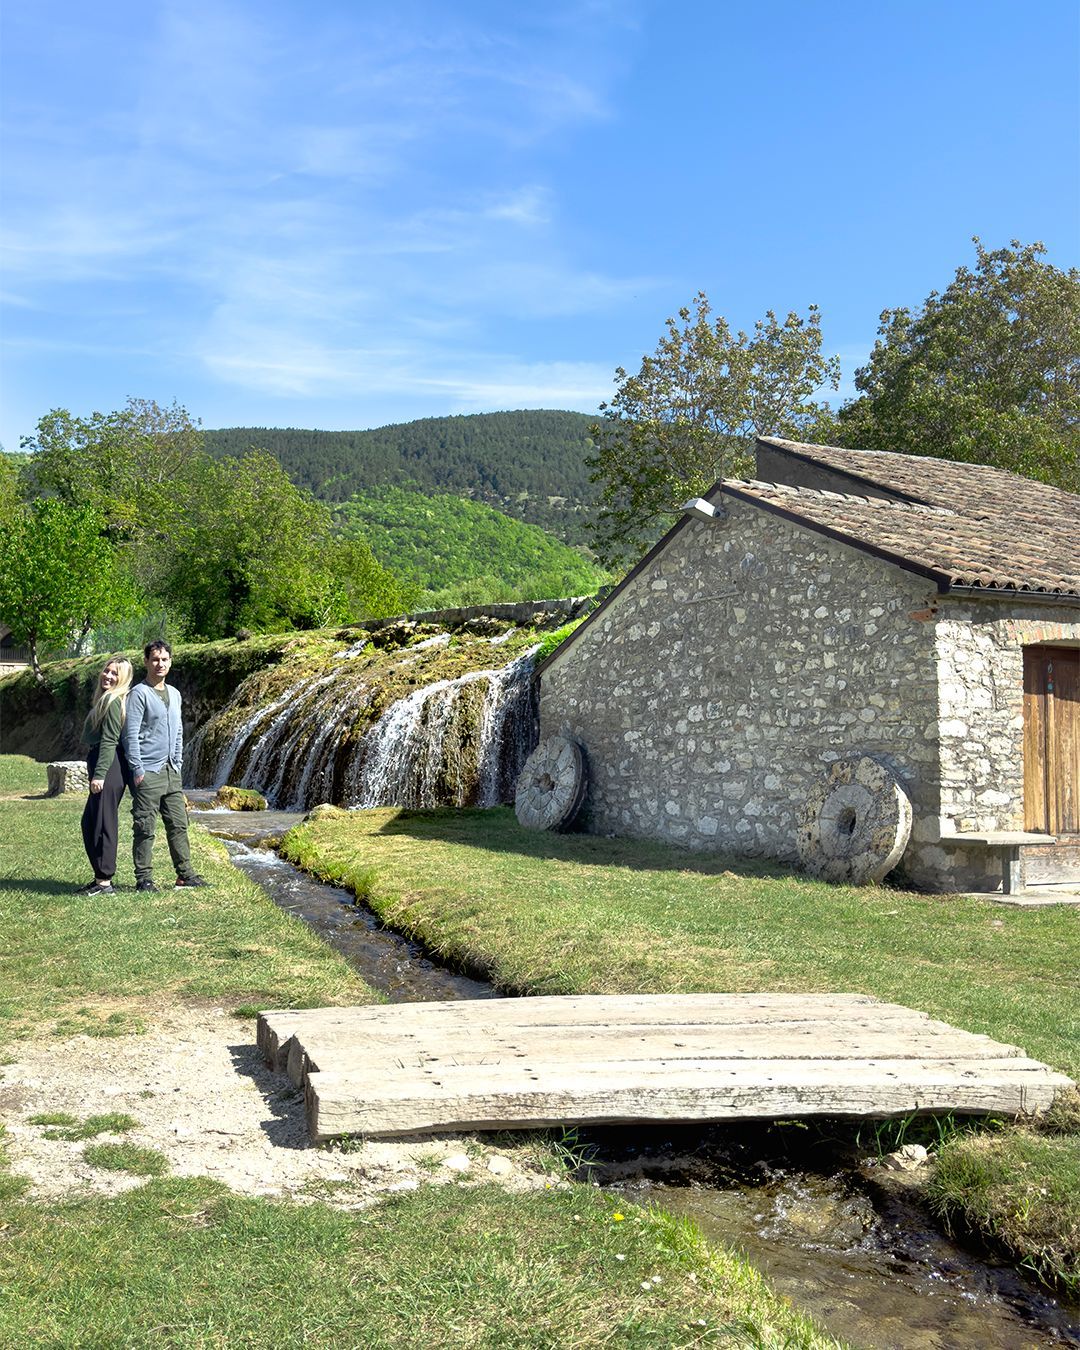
(458, 741)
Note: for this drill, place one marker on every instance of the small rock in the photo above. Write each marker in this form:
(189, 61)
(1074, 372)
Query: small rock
(458, 1162)
(908, 1158)
(499, 1166)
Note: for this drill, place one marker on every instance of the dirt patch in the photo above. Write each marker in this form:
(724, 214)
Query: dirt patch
(203, 1097)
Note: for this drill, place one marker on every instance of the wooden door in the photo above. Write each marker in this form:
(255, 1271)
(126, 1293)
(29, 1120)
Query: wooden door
(1052, 739)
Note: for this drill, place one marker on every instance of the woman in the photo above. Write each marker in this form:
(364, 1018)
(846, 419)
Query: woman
(108, 771)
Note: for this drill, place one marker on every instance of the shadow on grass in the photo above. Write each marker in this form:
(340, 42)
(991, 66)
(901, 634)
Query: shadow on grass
(497, 830)
(41, 886)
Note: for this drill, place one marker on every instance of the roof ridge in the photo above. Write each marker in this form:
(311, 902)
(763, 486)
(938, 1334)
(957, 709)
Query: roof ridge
(826, 494)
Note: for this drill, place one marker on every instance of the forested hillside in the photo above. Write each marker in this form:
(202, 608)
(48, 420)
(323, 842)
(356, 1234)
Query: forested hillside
(530, 464)
(464, 552)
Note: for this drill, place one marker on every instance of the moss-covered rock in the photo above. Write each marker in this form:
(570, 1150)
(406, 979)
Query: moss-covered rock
(240, 799)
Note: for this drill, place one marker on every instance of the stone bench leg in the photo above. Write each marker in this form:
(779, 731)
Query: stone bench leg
(1012, 870)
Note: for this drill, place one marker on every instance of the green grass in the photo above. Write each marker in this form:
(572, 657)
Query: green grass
(562, 914)
(140, 1162)
(182, 1263)
(185, 1263)
(63, 1125)
(71, 965)
(1020, 1189)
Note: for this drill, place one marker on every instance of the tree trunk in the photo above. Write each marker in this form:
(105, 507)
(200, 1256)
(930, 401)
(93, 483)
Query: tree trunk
(35, 664)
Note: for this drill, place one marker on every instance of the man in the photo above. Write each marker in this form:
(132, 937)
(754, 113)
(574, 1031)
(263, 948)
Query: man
(153, 739)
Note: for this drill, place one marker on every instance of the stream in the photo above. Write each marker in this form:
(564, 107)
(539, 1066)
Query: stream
(829, 1233)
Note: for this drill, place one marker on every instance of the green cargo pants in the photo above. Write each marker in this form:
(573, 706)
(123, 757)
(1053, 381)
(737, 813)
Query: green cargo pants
(160, 794)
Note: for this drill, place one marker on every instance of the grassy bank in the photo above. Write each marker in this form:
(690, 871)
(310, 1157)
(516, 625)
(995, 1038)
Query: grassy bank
(70, 964)
(581, 914)
(187, 1263)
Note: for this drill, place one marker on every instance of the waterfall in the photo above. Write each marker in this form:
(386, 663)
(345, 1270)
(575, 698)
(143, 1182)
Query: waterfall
(456, 742)
(451, 742)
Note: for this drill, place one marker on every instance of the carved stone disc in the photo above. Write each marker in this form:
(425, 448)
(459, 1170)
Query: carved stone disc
(855, 824)
(551, 786)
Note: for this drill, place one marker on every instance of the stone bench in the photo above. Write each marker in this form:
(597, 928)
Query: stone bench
(67, 775)
(1010, 844)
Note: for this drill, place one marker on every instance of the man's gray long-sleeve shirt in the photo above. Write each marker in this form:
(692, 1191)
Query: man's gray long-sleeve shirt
(153, 735)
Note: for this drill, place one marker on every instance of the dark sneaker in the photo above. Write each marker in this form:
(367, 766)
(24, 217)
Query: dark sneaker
(186, 883)
(97, 888)
(146, 885)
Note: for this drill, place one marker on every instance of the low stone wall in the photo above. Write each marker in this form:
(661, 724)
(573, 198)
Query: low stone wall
(513, 611)
(67, 775)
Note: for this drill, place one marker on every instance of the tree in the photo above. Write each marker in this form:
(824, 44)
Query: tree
(136, 467)
(9, 486)
(987, 372)
(258, 552)
(59, 575)
(690, 413)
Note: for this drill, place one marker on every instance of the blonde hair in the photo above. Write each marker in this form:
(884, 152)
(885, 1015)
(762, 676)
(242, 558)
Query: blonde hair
(105, 698)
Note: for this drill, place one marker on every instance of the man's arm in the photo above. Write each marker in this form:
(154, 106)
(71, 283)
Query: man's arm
(178, 743)
(136, 711)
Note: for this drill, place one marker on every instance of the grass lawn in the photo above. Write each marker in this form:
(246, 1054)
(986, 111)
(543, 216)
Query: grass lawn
(186, 1263)
(546, 913)
(71, 964)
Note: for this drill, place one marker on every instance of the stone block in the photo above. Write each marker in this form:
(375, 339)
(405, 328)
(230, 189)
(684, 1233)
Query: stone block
(67, 775)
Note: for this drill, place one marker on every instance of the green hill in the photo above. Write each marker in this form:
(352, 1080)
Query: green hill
(464, 552)
(529, 464)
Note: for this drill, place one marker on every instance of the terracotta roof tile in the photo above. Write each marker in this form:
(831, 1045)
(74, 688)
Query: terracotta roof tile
(968, 524)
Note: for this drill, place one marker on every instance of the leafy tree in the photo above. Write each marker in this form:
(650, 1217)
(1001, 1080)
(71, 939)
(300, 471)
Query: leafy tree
(136, 467)
(59, 575)
(257, 552)
(217, 544)
(9, 486)
(370, 590)
(987, 372)
(690, 413)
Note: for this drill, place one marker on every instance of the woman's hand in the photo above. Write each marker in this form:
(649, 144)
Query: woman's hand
(96, 784)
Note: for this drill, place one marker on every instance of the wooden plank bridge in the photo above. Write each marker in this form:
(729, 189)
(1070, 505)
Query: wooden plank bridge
(529, 1062)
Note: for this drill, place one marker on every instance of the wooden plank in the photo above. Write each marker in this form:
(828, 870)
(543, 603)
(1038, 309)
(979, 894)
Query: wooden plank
(1064, 739)
(807, 1039)
(275, 1027)
(465, 1097)
(513, 1063)
(1035, 803)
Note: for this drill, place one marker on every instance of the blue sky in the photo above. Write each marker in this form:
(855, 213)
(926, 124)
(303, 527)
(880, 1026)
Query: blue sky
(346, 214)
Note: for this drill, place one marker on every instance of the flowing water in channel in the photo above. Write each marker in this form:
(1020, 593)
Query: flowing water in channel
(859, 1257)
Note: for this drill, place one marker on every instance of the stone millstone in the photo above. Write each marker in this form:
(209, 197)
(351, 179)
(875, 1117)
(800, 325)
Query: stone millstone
(67, 775)
(551, 786)
(856, 823)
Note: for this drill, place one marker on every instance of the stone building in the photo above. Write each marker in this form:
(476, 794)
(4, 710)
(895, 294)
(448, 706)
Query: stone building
(916, 611)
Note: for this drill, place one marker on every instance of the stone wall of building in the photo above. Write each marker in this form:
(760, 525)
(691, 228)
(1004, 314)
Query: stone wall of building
(979, 646)
(745, 657)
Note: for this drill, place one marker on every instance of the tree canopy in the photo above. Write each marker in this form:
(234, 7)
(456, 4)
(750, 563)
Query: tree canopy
(212, 544)
(529, 464)
(59, 575)
(987, 371)
(464, 552)
(690, 413)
